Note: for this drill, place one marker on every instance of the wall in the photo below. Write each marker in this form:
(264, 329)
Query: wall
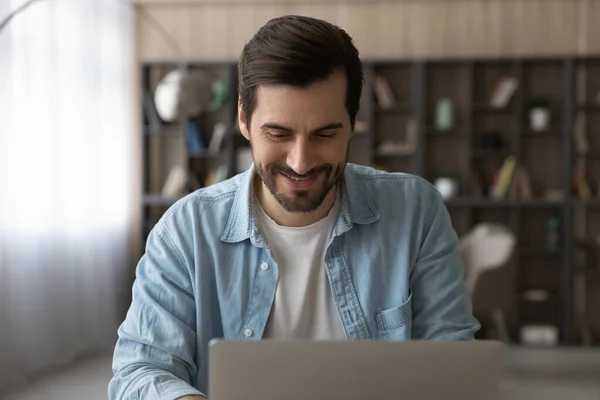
(217, 30)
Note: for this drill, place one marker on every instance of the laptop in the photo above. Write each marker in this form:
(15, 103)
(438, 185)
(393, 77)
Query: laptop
(354, 370)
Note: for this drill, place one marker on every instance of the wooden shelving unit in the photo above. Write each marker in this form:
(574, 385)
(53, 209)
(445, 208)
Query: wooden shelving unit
(548, 157)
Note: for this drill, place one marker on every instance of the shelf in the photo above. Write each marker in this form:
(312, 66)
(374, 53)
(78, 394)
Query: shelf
(394, 154)
(456, 132)
(172, 130)
(491, 153)
(550, 301)
(589, 107)
(541, 203)
(206, 155)
(488, 108)
(487, 202)
(587, 203)
(538, 251)
(158, 200)
(399, 107)
(592, 155)
(587, 245)
(551, 132)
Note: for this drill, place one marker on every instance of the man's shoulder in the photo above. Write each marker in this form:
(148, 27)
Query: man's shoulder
(375, 180)
(209, 205)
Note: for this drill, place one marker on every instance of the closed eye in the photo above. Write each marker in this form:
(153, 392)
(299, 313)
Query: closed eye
(326, 134)
(277, 135)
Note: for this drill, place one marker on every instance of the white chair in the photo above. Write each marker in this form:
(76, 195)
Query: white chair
(487, 247)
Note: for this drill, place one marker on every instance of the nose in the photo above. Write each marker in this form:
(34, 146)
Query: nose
(300, 157)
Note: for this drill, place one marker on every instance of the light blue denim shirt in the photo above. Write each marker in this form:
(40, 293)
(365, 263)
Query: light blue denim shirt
(392, 263)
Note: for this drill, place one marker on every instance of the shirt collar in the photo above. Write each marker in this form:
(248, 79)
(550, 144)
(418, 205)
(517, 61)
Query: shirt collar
(356, 208)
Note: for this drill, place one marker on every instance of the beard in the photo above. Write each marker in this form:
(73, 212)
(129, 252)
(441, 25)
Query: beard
(301, 201)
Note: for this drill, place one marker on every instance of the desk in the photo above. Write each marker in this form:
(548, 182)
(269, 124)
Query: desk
(552, 374)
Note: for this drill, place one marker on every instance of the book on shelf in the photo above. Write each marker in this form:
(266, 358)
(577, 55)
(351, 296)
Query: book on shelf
(216, 175)
(503, 178)
(195, 144)
(504, 92)
(511, 181)
(582, 144)
(383, 92)
(217, 138)
(523, 183)
(175, 183)
(581, 185)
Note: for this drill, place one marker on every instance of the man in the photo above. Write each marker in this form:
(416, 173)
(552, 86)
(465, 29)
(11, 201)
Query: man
(300, 246)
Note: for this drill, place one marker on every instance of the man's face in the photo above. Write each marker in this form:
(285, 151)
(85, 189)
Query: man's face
(299, 139)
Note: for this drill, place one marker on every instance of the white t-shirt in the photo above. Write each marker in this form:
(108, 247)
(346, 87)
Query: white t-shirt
(304, 307)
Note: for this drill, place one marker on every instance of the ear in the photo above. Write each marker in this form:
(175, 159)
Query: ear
(243, 122)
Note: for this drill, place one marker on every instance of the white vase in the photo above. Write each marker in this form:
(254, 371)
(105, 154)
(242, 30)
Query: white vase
(447, 187)
(539, 119)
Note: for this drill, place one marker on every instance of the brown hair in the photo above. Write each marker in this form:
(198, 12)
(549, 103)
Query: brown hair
(296, 50)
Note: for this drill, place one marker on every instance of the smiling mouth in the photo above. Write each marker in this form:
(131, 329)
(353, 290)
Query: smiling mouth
(299, 178)
(300, 182)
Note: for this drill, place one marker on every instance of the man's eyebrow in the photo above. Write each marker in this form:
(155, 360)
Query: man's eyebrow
(276, 126)
(334, 125)
(279, 127)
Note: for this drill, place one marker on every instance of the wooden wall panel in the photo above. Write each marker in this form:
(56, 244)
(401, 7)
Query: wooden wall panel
(388, 29)
(592, 12)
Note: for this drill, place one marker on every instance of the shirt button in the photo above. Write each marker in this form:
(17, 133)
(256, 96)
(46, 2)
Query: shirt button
(248, 332)
(264, 266)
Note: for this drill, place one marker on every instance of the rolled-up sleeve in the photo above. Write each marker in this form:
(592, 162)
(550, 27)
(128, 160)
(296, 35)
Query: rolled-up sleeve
(442, 306)
(154, 355)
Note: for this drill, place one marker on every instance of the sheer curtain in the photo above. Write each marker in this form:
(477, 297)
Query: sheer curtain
(66, 181)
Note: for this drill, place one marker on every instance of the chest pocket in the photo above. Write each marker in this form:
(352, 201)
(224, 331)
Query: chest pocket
(395, 323)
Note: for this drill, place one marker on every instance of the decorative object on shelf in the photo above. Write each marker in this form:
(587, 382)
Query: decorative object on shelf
(582, 145)
(151, 117)
(219, 97)
(383, 92)
(553, 233)
(185, 94)
(539, 335)
(504, 92)
(444, 115)
(539, 114)
(447, 186)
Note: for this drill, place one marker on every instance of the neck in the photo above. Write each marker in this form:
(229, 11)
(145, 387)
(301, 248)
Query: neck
(284, 218)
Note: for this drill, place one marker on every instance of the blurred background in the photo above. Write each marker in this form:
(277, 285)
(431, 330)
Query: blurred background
(111, 110)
